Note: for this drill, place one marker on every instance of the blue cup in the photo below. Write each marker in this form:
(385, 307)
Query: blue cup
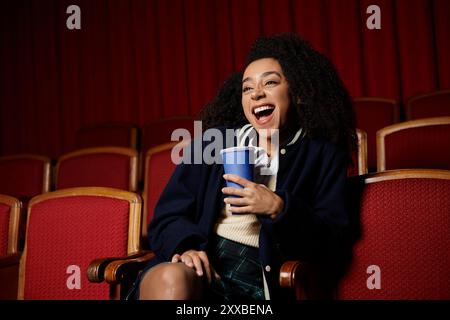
(239, 161)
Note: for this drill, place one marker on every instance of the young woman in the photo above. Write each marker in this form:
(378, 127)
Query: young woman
(207, 248)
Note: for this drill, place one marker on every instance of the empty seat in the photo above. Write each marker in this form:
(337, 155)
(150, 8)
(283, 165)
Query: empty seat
(419, 143)
(399, 229)
(430, 105)
(158, 170)
(106, 135)
(372, 114)
(24, 176)
(160, 131)
(112, 167)
(402, 252)
(10, 208)
(69, 228)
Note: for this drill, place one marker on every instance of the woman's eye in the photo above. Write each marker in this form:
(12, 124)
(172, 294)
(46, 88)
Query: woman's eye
(270, 82)
(245, 89)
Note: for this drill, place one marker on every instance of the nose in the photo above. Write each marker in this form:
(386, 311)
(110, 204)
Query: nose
(257, 94)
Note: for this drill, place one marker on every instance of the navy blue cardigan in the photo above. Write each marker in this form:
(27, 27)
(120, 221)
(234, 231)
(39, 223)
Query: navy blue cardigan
(310, 180)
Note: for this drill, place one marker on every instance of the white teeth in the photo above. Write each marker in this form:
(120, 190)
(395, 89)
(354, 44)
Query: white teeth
(262, 108)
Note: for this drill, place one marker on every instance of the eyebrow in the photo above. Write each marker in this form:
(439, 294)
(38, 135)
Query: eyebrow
(265, 74)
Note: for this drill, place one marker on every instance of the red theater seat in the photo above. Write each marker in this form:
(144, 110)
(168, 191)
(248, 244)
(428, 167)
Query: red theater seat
(106, 135)
(9, 239)
(160, 131)
(434, 104)
(372, 114)
(112, 167)
(69, 228)
(402, 245)
(24, 176)
(158, 170)
(422, 143)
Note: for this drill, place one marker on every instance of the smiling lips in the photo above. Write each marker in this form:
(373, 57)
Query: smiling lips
(263, 113)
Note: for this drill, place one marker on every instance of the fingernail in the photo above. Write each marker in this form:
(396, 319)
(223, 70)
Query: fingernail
(199, 273)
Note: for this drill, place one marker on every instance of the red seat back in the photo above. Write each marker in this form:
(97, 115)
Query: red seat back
(108, 134)
(158, 170)
(24, 176)
(403, 250)
(435, 104)
(415, 144)
(372, 114)
(68, 229)
(112, 167)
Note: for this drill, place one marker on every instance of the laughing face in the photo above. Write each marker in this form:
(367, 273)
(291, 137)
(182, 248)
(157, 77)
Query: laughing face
(265, 94)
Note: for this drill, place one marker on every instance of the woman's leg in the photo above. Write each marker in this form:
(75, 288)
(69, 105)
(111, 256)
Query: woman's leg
(171, 281)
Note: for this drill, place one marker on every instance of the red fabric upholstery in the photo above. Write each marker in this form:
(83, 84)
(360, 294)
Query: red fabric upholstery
(72, 231)
(429, 106)
(419, 147)
(99, 170)
(21, 177)
(102, 135)
(370, 117)
(405, 232)
(4, 228)
(159, 132)
(160, 168)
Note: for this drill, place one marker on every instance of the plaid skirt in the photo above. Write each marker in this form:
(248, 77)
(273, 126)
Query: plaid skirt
(239, 269)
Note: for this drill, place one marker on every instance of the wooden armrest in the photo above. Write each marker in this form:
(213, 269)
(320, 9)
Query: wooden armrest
(293, 275)
(96, 269)
(10, 260)
(118, 270)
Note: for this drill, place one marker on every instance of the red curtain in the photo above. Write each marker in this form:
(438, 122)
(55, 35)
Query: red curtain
(140, 60)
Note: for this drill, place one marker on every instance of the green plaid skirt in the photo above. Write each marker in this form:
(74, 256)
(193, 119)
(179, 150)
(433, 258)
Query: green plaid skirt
(240, 271)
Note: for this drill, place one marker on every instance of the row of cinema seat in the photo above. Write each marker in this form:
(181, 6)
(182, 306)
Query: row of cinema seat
(373, 114)
(412, 144)
(159, 168)
(84, 243)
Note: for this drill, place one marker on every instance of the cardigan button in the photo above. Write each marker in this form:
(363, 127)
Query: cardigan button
(283, 151)
(268, 268)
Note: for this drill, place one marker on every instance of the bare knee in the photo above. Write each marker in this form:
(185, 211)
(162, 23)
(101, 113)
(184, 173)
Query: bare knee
(170, 281)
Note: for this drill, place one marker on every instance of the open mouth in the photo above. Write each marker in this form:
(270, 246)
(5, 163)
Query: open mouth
(263, 113)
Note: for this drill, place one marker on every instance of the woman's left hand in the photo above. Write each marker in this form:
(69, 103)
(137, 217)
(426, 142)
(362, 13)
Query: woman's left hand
(254, 198)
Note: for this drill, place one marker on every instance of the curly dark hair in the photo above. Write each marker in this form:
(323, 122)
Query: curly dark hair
(226, 108)
(324, 107)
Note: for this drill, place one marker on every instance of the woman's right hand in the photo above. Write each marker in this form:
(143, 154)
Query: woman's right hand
(198, 260)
